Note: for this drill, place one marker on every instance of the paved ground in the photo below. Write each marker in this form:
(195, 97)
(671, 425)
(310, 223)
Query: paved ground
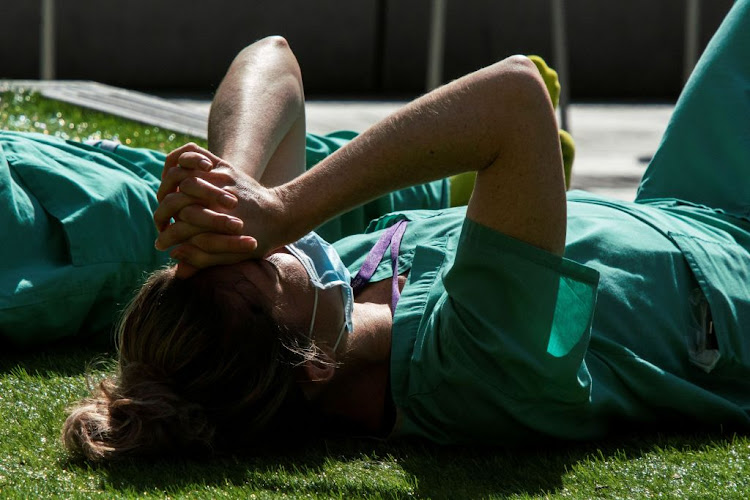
(613, 142)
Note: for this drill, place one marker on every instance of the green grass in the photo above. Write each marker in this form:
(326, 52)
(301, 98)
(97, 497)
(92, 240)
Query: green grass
(29, 112)
(35, 389)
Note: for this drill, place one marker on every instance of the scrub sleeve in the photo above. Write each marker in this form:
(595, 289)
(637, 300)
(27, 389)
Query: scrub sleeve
(704, 156)
(489, 346)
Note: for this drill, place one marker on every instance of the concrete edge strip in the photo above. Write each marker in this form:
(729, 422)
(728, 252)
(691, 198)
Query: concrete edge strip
(128, 104)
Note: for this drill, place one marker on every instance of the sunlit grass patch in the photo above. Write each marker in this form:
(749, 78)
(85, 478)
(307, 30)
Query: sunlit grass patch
(28, 111)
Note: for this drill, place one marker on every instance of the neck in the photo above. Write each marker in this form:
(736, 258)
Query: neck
(359, 390)
(370, 342)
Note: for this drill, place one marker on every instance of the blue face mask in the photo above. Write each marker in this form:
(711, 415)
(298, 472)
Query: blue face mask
(326, 270)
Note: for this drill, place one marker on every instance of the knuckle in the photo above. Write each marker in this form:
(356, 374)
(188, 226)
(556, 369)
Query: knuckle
(191, 156)
(190, 183)
(170, 200)
(183, 230)
(184, 158)
(174, 174)
(193, 215)
(172, 234)
(186, 213)
(158, 216)
(203, 242)
(222, 165)
(200, 259)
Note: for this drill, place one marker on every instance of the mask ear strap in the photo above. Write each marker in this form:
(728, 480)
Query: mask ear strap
(315, 311)
(341, 336)
(312, 323)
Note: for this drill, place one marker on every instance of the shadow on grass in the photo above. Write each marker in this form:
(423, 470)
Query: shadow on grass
(64, 359)
(540, 471)
(436, 472)
(425, 470)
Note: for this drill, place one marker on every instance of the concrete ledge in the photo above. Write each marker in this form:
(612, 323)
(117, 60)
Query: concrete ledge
(129, 104)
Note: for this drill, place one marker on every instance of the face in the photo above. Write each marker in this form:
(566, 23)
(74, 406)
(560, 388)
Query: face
(284, 283)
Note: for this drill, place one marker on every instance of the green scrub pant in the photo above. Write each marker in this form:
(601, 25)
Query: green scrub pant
(704, 156)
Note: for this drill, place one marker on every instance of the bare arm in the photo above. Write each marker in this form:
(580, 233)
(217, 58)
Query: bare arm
(257, 124)
(497, 121)
(257, 120)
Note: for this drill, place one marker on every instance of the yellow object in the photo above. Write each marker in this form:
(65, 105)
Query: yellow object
(463, 184)
(461, 187)
(568, 154)
(549, 76)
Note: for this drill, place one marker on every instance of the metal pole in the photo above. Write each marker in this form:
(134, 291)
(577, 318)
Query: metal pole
(47, 41)
(692, 29)
(436, 47)
(560, 47)
(378, 63)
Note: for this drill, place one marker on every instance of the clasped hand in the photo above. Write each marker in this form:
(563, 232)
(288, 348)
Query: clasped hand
(211, 213)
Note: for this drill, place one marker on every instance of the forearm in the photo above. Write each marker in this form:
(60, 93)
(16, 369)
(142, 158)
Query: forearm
(257, 120)
(498, 121)
(469, 124)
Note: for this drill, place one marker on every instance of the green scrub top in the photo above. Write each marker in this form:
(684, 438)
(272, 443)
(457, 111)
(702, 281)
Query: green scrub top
(78, 233)
(498, 342)
(78, 236)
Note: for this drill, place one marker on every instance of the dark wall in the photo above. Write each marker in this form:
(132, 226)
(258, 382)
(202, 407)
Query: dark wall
(617, 50)
(19, 39)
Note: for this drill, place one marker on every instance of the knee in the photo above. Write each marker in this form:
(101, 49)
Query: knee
(520, 75)
(273, 42)
(269, 52)
(274, 45)
(516, 86)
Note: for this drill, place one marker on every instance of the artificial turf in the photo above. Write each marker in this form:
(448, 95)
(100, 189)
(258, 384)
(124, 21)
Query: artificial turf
(36, 387)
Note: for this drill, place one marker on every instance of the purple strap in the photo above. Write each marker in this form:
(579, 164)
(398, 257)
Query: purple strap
(391, 237)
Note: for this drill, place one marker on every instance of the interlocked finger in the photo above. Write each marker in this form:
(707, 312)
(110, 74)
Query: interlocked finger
(171, 179)
(224, 243)
(169, 207)
(173, 158)
(194, 160)
(210, 221)
(175, 234)
(208, 193)
(199, 259)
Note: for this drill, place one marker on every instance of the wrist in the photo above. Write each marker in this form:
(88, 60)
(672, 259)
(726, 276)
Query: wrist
(289, 216)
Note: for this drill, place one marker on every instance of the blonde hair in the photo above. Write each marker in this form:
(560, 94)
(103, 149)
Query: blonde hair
(202, 365)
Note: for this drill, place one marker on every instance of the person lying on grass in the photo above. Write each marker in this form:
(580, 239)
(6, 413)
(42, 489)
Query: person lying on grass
(521, 318)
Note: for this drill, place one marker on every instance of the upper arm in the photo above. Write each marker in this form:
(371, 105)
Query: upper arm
(522, 192)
